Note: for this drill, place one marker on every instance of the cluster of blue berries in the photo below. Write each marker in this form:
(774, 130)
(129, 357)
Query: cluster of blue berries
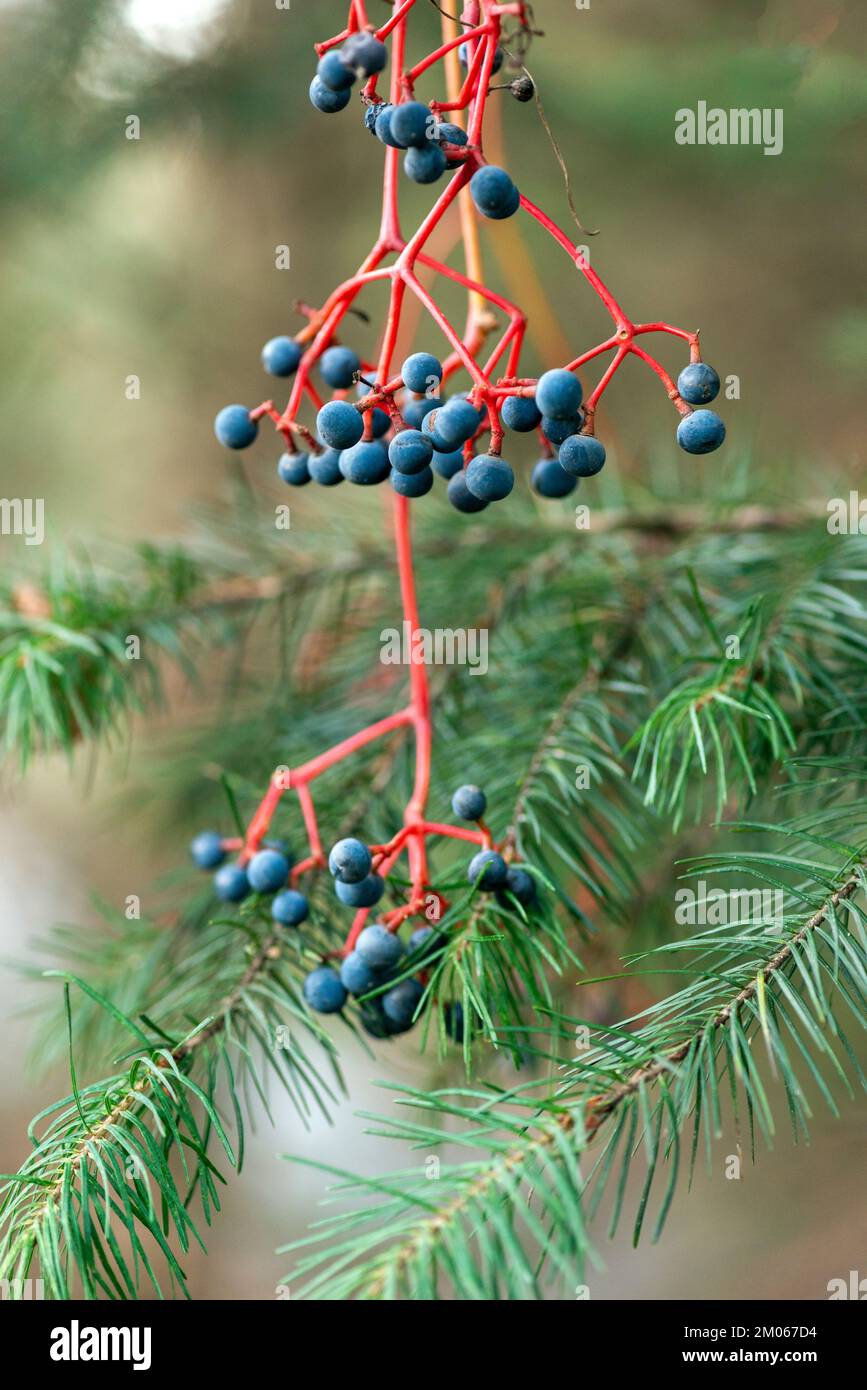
(266, 872)
(701, 431)
(362, 55)
(488, 870)
(555, 409)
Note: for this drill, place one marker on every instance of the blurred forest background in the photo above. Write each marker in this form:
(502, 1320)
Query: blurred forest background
(155, 257)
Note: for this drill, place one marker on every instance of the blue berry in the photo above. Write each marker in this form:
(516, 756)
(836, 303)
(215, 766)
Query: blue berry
(422, 373)
(582, 455)
(460, 496)
(481, 410)
(365, 463)
(447, 465)
(410, 124)
(379, 948)
(356, 975)
(373, 1020)
(326, 99)
(469, 802)
(234, 428)
(429, 426)
(425, 165)
(701, 432)
(520, 885)
(364, 894)
(350, 861)
(494, 193)
(490, 478)
(324, 991)
(282, 847)
(558, 431)
(550, 480)
(267, 871)
(558, 394)
(414, 411)
(231, 883)
(338, 366)
(410, 451)
(380, 422)
(382, 128)
(339, 424)
(400, 1004)
(207, 850)
(521, 413)
(280, 356)
(412, 484)
(457, 421)
(449, 134)
(324, 468)
(698, 383)
(290, 908)
(294, 469)
(370, 115)
(333, 72)
(488, 869)
(465, 57)
(422, 939)
(365, 53)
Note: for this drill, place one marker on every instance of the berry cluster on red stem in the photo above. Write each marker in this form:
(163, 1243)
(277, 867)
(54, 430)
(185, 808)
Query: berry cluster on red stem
(502, 398)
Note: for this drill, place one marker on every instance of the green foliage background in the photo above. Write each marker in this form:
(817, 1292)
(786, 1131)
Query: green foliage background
(156, 258)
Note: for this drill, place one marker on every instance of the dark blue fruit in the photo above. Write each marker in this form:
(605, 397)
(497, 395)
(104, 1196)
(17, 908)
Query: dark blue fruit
(521, 413)
(324, 991)
(410, 451)
(430, 427)
(469, 802)
(383, 127)
(410, 124)
(379, 948)
(558, 431)
(447, 465)
(339, 424)
(350, 861)
(290, 908)
(460, 496)
(422, 372)
(701, 432)
(365, 463)
(698, 383)
(338, 366)
(370, 115)
(234, 428)
(294, 469)
(559, 394)
(280, 356)
(334, 72)
(365, 53)
(414, 411)
(400, 1004)
(324, 468)
(582, 455)
(494, 193)
(422, 939)
(488, 869)
(267, 871)
(550, 480)
(464, 55)
(231, 883)
(425, 165)
(457, 421)
(356, 975)
(412, 484)
(326, 99)
(207, 850)
(366, 893)
(380, 422)
(520, 884)
(490, 478)
(449, 134)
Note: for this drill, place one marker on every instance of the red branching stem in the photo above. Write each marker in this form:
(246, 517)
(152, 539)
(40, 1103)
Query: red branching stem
(480, 31)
